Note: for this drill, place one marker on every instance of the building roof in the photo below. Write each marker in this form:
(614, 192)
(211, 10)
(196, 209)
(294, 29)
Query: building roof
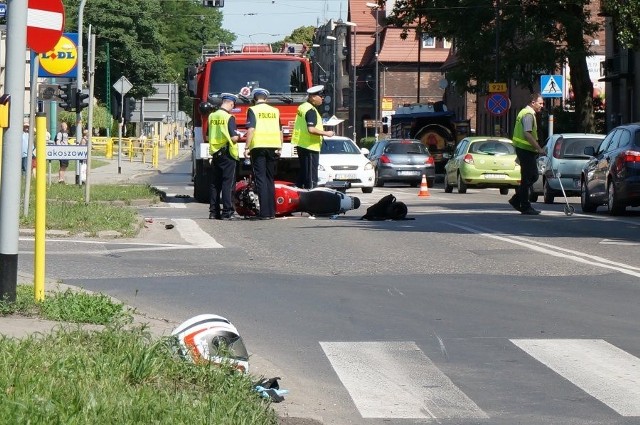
(392, 47)
(395, 49)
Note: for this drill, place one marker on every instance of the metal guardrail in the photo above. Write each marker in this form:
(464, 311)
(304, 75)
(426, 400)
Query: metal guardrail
(145, 150)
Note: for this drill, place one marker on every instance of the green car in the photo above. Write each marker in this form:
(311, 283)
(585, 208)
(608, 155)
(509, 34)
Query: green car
(481, 162)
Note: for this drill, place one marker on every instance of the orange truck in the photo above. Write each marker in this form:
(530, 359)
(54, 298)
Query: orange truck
(287, 76)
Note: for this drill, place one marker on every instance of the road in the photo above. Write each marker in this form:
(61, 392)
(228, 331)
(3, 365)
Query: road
(469, 313)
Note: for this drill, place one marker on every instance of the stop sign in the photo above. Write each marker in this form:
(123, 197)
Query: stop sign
(45, 22)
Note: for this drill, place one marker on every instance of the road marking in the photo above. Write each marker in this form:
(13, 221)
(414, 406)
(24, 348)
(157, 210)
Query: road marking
(600, 369)
(192, 233)
(553, 250)
(618, 242)
(396, 380)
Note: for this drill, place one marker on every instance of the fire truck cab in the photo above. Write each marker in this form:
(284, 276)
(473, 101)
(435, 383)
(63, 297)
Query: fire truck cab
(286, 75)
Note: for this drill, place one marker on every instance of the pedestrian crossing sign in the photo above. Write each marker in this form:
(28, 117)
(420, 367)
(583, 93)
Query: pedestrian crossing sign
(551, 85)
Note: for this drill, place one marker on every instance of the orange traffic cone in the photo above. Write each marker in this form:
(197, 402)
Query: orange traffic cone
(424, 189)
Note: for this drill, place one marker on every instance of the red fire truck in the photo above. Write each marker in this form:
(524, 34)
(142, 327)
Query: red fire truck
(286, 75)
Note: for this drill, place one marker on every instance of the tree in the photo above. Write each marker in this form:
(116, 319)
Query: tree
(300, 35)
(521, 39)
(625, 16)
(149, 41)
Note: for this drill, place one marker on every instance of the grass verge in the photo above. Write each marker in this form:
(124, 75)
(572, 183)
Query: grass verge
(108, 209)
(116, 375)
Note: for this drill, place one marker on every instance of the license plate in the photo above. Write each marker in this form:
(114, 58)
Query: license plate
(495, 176)
(409, 173)
(345, 177)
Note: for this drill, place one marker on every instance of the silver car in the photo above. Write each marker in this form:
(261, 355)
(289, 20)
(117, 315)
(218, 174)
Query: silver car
(564, 157)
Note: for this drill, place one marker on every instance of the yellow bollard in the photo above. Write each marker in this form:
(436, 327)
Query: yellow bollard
(155, 153)
(176, 147)
(41, 207)
(1, 137)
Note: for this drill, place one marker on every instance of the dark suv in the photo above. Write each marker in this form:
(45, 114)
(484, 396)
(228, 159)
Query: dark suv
(402, 160)
(612, 174)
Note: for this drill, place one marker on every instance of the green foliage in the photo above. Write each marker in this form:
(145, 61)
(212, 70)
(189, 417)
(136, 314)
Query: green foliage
(517, 42)
(367, 142)
(107, 209)
(626, 18)
(67, 306)
(301, 35)
(119, 376)
(101, 117)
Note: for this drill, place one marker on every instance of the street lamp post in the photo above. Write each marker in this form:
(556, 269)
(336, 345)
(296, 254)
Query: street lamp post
(376, 8)
(333, 74)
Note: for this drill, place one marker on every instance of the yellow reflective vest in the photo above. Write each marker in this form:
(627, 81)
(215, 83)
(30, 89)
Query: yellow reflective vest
(219, 136)
(267, 131)
(301, 136)
(518, 131)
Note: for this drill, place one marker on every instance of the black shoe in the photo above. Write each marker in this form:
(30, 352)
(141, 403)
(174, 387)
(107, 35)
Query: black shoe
(214, 216)
(229, 217)
(530, 211)
(515, 204)
(265, 218)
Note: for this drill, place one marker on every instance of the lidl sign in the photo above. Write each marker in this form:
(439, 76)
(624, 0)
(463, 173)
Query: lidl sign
(62, 61)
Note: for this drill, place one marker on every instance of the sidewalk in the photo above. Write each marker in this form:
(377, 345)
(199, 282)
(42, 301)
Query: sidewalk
(130, 172)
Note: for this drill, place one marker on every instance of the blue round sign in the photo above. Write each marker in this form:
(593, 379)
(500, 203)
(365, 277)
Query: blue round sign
(497, 104)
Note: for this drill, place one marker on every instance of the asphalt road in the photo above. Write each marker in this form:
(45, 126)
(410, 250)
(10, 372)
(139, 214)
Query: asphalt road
(468, 314)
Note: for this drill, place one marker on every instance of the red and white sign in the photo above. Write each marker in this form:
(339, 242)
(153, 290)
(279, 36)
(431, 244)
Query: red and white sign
(45, 23)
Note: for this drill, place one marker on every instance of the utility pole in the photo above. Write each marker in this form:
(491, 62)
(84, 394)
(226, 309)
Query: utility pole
(80, 81)
(12, 148)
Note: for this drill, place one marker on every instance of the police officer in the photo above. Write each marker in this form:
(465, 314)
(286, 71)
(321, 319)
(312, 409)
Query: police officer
(525, 140)
(307, 136)
(223, 147)
(264, 141)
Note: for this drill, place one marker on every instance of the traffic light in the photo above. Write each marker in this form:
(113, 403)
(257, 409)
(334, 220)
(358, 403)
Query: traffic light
(116, 105)
(81, 99)
(129, 107)
(67, 96)
(213, 3)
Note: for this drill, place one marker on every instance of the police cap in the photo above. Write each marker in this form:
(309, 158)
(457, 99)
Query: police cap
(229, 96)
(260, 93)
(316, 90)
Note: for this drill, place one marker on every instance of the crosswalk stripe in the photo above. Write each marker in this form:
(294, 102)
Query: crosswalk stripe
(192, 233)
(600, 369)
(397, 380)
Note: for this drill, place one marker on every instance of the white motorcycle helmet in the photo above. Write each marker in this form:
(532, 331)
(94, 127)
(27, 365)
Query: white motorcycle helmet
(202, 337)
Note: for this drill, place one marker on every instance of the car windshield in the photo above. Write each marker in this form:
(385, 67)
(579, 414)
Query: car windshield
(492, 147)
(574, 148)
(406, 148)
(280, 77)
(338, 147)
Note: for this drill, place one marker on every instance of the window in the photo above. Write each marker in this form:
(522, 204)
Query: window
(428, 42)
(446, 43)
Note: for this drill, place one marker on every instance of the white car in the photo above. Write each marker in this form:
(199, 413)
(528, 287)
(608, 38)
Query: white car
(342, 160)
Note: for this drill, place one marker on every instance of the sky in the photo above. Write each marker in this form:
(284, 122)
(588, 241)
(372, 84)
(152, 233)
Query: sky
(268, 21)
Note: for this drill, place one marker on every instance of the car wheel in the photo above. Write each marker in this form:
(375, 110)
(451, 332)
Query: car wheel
(448, 188)
(367, 189)
(585, 204)
(504, 191)
(378, 182)
(613, 204)
(532, 196)
(431, 182)
(547, 194)
(462, 186)
(415, 184)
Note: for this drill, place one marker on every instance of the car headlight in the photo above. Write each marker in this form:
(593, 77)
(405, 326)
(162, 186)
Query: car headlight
(368, 166)
(320, 167)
